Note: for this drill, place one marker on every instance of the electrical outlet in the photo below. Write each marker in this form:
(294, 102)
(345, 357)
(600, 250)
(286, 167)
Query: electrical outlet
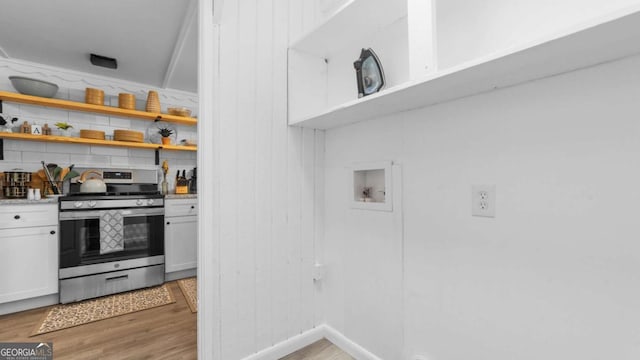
(483, 200)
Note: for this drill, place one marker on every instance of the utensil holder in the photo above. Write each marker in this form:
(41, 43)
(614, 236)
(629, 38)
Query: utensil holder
(47, 189)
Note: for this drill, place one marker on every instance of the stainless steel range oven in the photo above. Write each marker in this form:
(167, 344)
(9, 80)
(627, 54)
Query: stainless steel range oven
(114, 241)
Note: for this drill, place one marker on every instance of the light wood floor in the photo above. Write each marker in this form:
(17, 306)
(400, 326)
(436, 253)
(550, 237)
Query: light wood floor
(165, 332)
(321, 350)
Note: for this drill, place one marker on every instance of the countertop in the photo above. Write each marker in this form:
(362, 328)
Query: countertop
(55, 200)
(28, 202)
(181, 196)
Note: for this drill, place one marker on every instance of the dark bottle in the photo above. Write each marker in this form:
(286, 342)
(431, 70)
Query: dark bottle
(193, 182)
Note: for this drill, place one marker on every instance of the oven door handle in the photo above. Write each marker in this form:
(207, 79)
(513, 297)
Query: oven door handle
(77, 215)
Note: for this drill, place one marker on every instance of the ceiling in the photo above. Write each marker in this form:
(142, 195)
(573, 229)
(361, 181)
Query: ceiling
(154, 41)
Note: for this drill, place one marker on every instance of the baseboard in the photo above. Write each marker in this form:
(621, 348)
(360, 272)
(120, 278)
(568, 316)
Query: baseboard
(309, 337)
(338, 339)
(290, 345)
(176, 275)
(28, 304)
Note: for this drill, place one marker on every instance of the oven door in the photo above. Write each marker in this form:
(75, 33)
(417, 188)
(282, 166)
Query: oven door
(142, 235)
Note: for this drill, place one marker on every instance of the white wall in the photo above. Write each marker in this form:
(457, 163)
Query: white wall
(27, 155)
(552, 276)
(266, 225)
(467, 30)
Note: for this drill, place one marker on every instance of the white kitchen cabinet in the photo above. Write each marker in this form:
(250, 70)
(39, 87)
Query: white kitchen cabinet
(181, 234)
(28, 251)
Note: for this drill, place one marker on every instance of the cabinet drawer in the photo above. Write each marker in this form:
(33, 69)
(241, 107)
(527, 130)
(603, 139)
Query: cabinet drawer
(180, 207)
(17, 216)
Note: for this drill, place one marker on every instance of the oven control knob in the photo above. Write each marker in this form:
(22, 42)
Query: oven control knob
(92, 204)
(150, 202)
(78, 204)
(139, 202)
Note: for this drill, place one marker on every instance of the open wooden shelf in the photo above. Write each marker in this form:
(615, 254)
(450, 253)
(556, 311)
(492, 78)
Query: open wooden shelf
(83, 141)
(107, 110)
(608, 38)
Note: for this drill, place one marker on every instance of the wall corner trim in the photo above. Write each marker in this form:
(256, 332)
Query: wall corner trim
(308, 337)
(347, 345)
(290, 345)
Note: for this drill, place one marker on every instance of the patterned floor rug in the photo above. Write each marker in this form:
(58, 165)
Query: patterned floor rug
(189, 289)
(69, 315)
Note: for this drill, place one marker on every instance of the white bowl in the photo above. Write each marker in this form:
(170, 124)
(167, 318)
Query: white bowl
(33, 87)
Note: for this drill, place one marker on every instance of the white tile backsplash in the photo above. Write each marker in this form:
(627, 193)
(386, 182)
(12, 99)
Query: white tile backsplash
(76, 95)
(37, 157)
(142, 161)
(90, 160)
(112, 151)
(66, 148)
(25, 145)
(120, 123)
(12, 155)
(82, 119)
(121, 160)
(29, 112)
(140, 153)
(10, 108)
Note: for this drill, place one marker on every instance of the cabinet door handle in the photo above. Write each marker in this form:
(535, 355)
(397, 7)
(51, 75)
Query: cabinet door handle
(17, 217)
(193, 207)
(52, 232)
(168, 223)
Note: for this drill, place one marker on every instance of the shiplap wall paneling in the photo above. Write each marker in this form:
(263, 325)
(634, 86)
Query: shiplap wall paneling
(319, 206)
(263, 179)
(268, 217)
(246, 143)
(230, 332)
(307, 234)
(279, 185)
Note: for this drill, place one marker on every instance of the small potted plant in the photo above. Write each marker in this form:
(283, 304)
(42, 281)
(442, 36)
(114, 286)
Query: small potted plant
(64, 128)
(165, 133)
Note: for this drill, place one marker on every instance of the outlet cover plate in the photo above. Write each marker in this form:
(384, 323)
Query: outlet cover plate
(483, 200)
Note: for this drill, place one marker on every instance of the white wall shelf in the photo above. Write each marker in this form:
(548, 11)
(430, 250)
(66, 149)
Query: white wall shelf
(608, 38)
(354, 20)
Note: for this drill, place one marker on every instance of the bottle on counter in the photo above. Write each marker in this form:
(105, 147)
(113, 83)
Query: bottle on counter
(165, 184)
(193, 182)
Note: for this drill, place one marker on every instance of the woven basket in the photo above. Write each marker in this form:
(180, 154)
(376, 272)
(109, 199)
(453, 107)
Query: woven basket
(127, 101)
(128, 135)
(92, 134)
(153, 102)
(94, 96)
(181, 111)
